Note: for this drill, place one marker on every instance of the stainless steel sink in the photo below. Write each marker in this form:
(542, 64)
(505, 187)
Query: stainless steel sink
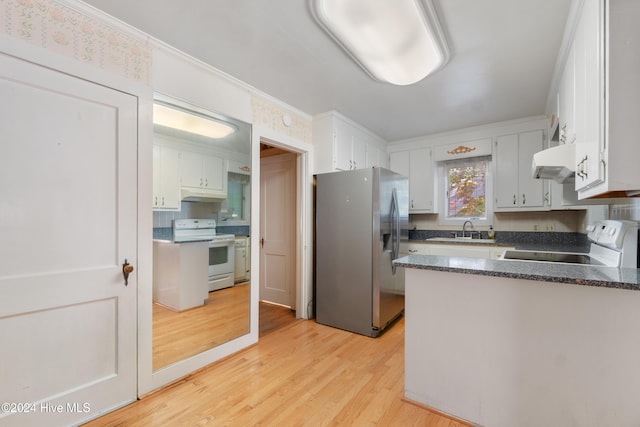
(463, 240)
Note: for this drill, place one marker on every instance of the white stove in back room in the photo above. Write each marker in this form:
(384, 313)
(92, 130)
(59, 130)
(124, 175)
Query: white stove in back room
(221, 248)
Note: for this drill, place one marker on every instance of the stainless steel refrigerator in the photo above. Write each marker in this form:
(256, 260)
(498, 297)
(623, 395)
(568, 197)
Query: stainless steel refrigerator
(361, 216)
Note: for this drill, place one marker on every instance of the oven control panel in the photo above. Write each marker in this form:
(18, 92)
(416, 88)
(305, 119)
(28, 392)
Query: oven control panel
(610, 233)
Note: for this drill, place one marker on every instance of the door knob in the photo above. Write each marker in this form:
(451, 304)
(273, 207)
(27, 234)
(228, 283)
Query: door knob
(262, 242)
(126, 270)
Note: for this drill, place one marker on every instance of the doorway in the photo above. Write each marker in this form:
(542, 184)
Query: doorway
(278, 225)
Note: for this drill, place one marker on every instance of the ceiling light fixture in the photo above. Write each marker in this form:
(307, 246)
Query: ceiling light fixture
(395, 41)
(189, 122)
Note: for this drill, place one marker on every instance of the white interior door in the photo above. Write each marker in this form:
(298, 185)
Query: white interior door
(277, 227)
(68, 220)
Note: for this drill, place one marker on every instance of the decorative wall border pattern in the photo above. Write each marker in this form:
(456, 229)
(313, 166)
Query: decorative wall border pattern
(55, 26)
(276, 118)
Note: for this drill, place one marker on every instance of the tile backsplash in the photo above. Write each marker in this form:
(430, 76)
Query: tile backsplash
(187, 210)
(629, 210)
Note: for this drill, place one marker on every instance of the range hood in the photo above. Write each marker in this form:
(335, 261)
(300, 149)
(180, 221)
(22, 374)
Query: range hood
(201, 195)
(556, 163)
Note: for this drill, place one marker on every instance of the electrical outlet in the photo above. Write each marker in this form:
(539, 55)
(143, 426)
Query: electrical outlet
(551, 227)
(535, 227)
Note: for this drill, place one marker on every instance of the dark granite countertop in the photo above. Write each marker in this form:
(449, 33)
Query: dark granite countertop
(578, 274)
(532, 241)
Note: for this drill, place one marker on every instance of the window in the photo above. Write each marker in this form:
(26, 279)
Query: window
(235, 210)
(467, 190)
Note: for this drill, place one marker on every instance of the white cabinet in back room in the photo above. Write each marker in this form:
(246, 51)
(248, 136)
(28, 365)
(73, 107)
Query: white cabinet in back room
(242, 260)
(418, 166)
(515, 187)
(166, 179)
(203, 172)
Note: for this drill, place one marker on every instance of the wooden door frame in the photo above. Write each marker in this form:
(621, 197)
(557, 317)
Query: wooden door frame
(291, 159)
(304, 191)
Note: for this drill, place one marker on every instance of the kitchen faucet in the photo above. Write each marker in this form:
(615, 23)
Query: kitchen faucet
(464, 227)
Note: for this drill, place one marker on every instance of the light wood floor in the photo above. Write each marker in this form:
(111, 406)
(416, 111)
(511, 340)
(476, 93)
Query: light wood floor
(300, 373)
(177, 335)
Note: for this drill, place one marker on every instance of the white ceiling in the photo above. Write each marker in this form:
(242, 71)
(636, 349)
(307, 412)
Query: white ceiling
(503, 54)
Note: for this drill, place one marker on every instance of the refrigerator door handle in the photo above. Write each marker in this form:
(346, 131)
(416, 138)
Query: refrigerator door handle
(395, 229)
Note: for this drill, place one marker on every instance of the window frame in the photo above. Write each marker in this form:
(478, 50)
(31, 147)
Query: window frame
(443, 183)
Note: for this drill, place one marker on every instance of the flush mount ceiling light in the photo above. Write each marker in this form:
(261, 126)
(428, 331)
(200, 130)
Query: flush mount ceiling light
(188, 122)
(395, 41)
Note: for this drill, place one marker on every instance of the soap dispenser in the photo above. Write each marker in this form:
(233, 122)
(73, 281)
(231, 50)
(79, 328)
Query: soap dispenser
(491, 234)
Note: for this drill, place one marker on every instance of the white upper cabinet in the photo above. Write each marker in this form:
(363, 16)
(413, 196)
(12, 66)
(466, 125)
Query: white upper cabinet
(341, 144)
(419, 167)
(607, 98)
(376, 157)
(515, 187)
(587, 97)
(351, 151)
(203, 172)
(166, 179)
(566, 124)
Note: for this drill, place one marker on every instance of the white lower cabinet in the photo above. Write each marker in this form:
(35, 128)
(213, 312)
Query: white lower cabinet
(241, 268)
(418, 166)
(515, 187)
(180, 274)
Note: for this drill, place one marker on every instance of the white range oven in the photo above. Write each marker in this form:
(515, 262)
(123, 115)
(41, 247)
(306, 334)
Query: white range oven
(221, 248)
(614, 243)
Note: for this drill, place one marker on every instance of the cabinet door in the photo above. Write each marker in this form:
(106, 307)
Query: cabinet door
(169, 179)
(213, 174)
(240, 269)
(358, 153)
(567, 100)
(531, 191)
(506, 164)
(156, 176)
(166, 179)
(418, 248)
(589, 98)
(342, 147)
(399, 163)
(418, 166)
(421, 176)
(191, 169)
(374, 157)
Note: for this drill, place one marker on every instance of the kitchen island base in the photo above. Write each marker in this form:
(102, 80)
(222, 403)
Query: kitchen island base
(499, 351)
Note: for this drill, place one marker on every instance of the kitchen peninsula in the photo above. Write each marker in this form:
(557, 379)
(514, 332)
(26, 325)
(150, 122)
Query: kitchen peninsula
(504, 343)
